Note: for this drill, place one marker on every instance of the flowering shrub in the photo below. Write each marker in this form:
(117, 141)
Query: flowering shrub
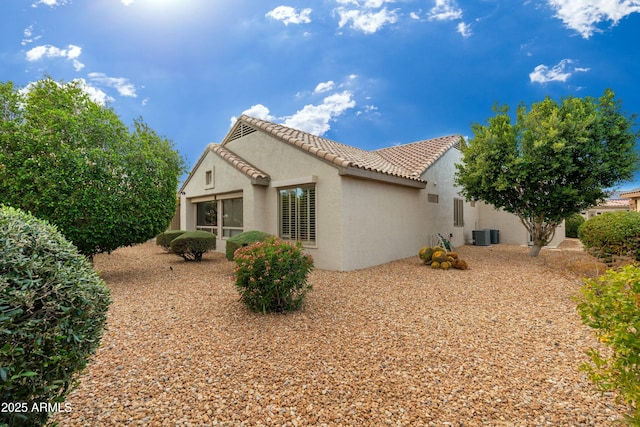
(610, 304)
(272, 275)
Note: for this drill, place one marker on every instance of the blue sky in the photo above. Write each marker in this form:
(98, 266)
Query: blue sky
(368, 73)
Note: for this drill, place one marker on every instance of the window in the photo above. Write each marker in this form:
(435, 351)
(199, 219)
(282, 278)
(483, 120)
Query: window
(458, 213)
(297, 214)
(432, 198)
(231, 217)
(207, 216)
(208, 179)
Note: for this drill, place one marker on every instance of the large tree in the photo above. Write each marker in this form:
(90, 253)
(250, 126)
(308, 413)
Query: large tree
(73, 162)
(557, 159)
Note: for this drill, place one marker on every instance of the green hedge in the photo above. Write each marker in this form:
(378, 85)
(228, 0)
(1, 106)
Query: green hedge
(244, 239)
(612, 234)
(53, 310)
(164, 239)
(572, 224)
(191, 245)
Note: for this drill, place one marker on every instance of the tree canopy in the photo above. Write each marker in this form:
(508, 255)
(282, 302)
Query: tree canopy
(73, 162)
(557, 159)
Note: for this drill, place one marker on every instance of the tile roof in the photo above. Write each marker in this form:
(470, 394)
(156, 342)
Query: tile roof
(239, 163)
(418, 156)
(614, 203)
(630, 193)
(404, 161)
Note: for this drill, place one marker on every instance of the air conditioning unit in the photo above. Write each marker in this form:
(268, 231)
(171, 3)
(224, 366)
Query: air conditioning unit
(481, 237)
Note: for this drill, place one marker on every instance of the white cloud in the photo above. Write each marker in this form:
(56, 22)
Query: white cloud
(97, 95)
(324, 87)
(464, 29)
(50, 3)
(121, 84)
(367, 3)
(72, 53)
(315, 119)
(445, 10)
(366, 21)
(560, 72)
(289, 15)
(127, 2)
(258, 111)
(584, 15)
(28, 36)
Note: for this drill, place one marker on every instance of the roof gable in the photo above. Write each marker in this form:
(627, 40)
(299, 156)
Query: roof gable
(405, 162)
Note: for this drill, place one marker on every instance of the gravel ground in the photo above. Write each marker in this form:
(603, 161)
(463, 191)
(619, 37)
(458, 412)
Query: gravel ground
(394, 345)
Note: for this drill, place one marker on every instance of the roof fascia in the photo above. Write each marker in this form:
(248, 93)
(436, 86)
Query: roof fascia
(376, 176)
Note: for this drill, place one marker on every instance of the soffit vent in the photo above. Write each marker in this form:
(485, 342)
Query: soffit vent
(241, 131)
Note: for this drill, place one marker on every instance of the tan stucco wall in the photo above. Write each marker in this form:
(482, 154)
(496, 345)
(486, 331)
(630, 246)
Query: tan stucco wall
(385, 222)
(440, 181)
(511, 230)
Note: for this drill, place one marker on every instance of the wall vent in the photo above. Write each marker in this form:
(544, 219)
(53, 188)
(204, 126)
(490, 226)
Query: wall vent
(241, 131)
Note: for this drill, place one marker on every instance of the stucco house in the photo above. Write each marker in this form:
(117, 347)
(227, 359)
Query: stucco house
(350, 208)
(608, 205)
(633, 197)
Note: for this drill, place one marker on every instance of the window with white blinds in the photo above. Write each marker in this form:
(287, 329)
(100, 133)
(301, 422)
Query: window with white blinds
(298, 214)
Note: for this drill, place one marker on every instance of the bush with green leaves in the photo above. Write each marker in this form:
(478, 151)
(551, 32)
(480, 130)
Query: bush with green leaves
(53, 310)
(610, 305)
(572, 224)
(244, 239)
(165, 238)
(271, 276)
(191, 245)
(74, 163)
(612, 235)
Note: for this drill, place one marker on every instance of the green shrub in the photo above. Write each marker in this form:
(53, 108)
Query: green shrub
(191, 245)
(572, 224)
(244, 239)
(271, 276)
(164, 239)
(612, 235)
(611, 305)
(53, 310)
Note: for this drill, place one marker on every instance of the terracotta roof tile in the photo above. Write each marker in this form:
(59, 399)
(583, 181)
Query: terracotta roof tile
(614, 203)
(418, 156)
(239, 163)
(405, 161)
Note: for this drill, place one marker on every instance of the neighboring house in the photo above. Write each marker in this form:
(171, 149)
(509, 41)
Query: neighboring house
(633, 197)
(609, 205)
(350, 208)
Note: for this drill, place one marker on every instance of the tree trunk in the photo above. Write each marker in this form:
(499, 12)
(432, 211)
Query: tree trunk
(534, 250)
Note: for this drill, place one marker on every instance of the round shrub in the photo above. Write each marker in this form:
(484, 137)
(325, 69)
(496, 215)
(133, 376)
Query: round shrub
(164, 239)
(609, 305)
(271, 276)
(53, 310)
(612, 234)
(191, 245)
(244, 239)
(572, 224)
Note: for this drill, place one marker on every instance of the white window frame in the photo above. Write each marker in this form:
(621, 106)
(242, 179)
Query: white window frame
(297, 221)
